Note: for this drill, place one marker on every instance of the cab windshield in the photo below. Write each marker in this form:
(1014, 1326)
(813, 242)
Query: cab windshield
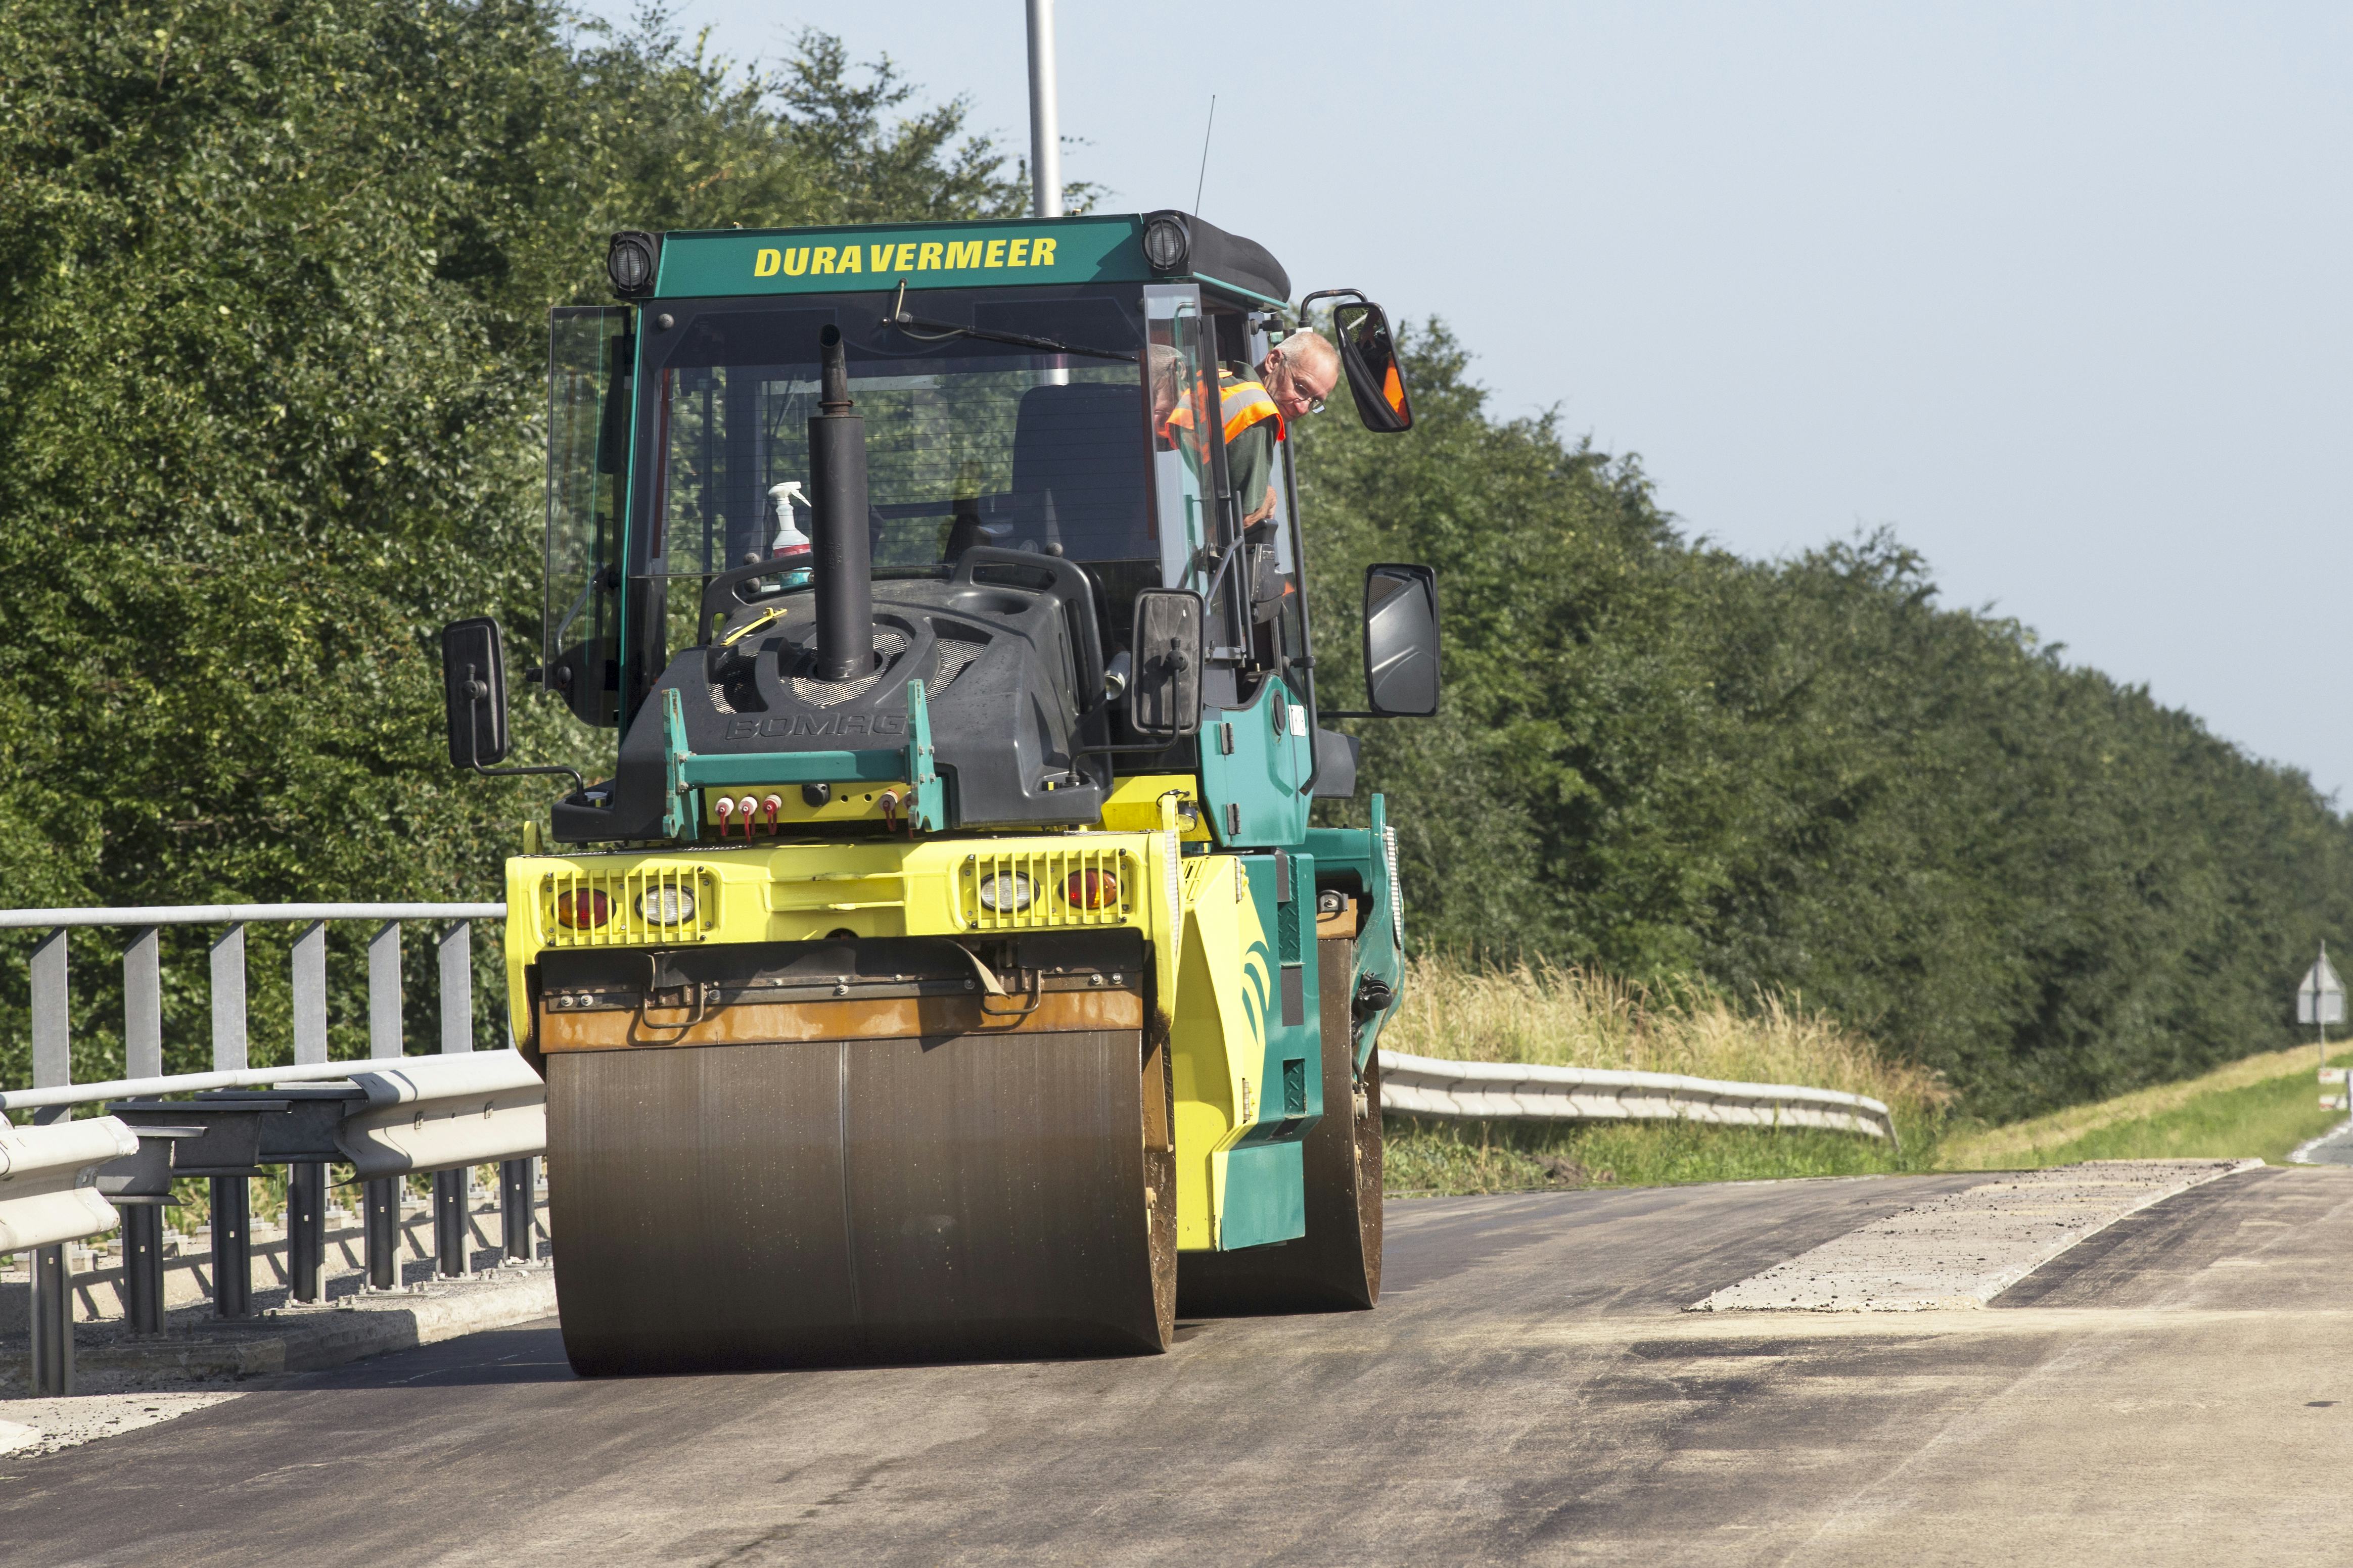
(968, 441)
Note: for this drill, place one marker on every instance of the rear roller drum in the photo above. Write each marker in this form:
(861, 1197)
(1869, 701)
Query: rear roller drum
(1336, 1265)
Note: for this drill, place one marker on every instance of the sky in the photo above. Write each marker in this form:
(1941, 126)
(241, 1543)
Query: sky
(2058, 292)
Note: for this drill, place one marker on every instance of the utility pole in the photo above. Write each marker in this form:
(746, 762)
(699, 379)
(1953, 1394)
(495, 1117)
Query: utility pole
(1045, 127)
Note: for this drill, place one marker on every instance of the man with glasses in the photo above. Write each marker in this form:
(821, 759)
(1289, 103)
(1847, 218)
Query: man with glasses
(1293, 379)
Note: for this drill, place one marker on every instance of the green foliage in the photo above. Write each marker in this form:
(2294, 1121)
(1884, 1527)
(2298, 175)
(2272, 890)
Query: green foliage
(274, 280)
(1657, 759)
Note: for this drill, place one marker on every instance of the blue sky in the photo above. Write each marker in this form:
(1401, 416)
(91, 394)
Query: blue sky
(2057, 291)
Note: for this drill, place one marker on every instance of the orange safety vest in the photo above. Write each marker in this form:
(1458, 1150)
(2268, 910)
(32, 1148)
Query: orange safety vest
(1242, 404)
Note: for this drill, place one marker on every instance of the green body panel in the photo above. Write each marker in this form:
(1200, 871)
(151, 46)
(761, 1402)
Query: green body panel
(707, 262)
(1266, 1195)
(1294, 1034)
(1254, 764)
(1363, 852)
(690, 772)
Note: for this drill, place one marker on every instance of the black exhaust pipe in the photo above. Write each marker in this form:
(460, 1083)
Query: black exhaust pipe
(842, 559)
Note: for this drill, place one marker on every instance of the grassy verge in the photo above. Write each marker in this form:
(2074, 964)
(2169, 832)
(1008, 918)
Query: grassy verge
(2261, 1106)
(1571, 1017)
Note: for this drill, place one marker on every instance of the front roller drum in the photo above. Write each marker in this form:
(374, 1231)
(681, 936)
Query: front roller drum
(825, 1202)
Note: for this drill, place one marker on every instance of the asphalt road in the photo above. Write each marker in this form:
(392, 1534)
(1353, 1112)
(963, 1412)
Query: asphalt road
(2178, 1390)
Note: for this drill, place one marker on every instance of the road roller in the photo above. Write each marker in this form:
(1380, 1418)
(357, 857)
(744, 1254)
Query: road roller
(945, 967)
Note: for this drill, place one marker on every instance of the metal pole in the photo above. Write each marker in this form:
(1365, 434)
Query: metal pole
(309, 967)
(232, 1246)
(52, 1303)
(450, 1187)
(306, 1231)
(232, 1196)
(380, 1205)
(53, 1346)
(143, 1265)
(1045, 127)
(143, 1006)
(518, 1183)
(380, 1223)
(449, 1222)
(306, 1184)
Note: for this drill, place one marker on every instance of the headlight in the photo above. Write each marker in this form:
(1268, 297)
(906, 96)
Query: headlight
(1168, 242)
(1006, 893)
(667, 906)
(629, 262)
(583, 909)
(1090, 890)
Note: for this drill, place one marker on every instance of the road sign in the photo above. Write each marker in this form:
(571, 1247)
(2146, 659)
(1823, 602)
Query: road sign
(2321, 998)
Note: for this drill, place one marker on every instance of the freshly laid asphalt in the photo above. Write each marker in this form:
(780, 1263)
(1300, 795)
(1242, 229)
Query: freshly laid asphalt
(2178, 1389)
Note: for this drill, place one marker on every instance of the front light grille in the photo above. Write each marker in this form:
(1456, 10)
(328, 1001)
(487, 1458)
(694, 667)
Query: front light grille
(1068, 888)
(623, 899)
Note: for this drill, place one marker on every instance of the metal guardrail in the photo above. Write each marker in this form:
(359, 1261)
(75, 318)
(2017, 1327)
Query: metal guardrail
(500, 1115)
(1514, 1091)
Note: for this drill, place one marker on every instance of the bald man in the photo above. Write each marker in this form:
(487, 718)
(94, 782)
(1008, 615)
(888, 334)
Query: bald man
(1293, 379)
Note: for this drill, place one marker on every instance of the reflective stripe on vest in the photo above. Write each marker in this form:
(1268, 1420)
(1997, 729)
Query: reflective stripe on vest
(1242, 404)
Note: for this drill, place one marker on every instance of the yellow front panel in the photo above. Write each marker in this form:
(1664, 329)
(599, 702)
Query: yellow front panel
(803, 892)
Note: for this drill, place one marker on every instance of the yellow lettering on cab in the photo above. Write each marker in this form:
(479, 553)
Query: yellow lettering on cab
(927, 260)
(765, 263)
(996, 254)
(906, 261)
(964, 253)
(824, 262)
(1019, 255)
(796, 262)
(1041, 253)
(848, 262)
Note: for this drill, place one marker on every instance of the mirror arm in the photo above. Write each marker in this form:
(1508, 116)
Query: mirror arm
(475, 692)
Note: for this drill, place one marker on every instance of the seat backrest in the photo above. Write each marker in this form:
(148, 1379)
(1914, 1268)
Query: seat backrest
(1083, 443)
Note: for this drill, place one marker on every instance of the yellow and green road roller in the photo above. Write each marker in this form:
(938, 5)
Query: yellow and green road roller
(946, 969)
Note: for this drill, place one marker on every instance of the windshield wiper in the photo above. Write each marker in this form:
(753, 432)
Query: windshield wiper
(900, 319)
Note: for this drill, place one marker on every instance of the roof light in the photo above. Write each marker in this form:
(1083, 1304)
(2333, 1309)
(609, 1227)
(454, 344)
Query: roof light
(629, 262)
(1168, 242)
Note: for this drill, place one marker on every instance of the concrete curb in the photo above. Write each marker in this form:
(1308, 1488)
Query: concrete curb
(307, 1338)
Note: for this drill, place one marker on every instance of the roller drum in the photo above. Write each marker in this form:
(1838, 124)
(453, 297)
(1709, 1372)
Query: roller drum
(828, 1202)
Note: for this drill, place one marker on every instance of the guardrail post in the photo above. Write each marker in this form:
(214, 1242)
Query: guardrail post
(456, 957)
(306, 1184)
(380, 1209)
(380, 1225)
(142, 1057)
(52, 1303)
(232, 1196)
(143, 1265)
(517, 1190)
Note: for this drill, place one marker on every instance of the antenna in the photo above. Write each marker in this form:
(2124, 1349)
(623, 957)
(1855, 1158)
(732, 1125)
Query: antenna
(1205, 154)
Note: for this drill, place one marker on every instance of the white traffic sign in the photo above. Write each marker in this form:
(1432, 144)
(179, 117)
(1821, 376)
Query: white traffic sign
(2321, 998)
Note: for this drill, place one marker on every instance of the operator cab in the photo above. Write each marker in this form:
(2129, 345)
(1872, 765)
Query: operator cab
(1039, 403)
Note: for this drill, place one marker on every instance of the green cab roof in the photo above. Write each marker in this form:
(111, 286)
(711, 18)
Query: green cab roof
(1088, 249)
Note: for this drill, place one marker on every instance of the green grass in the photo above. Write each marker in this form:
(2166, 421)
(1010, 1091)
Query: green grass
(2261, 1107)
(2260, 1120)
(1430, 1158)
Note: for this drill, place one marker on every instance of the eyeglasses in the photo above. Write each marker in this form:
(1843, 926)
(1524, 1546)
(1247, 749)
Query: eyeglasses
(1291, 379)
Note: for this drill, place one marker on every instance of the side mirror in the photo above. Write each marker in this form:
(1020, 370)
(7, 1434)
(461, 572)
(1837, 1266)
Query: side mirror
(1164, 701)
(1369, 355)
(474, 692)
(1401, 641)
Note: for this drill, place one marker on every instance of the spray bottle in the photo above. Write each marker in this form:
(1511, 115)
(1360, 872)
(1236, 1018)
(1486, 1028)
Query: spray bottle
(791, 543)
